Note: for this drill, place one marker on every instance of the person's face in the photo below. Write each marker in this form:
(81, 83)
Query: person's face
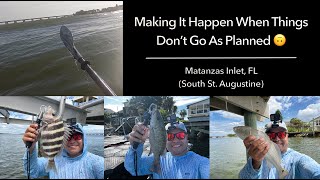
(75, 145)
(280, 137)
(176, 146)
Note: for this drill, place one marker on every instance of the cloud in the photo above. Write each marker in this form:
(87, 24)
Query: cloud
(186, 100)
(114, 108)
(310, 112)
(229, 115)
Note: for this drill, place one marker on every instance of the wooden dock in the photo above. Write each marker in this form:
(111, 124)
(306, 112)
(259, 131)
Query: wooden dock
(115, 149)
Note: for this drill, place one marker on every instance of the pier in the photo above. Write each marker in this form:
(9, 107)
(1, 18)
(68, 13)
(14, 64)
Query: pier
(33, 19)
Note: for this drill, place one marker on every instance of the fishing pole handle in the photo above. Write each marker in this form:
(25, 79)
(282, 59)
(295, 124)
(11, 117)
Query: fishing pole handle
(135, 145)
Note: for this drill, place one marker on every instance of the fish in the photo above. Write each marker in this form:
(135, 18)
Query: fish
(53, 136)
(273, 157)
(157, 137)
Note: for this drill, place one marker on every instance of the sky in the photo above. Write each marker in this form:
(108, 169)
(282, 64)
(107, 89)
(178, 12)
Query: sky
(116, 103)
(19, 129)
(14, 10)
(303, 107)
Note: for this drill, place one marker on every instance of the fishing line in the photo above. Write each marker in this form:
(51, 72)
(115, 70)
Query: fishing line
(135, 162)
(28, 162)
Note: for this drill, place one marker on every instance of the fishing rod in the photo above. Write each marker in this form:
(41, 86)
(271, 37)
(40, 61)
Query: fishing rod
(29, 143)
(146, 120)
(67, 39)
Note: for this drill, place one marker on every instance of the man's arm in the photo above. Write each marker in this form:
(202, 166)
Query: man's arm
(204, 168)
(143, 162)
(308, 168)
(248, 171)
(37, 165)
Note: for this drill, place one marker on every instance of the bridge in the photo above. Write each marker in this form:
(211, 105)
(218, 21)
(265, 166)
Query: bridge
(30, 105)
(33, 19)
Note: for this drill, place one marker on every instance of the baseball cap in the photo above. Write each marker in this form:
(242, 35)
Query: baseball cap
(281, 125)
(179, 125)
(76, 128)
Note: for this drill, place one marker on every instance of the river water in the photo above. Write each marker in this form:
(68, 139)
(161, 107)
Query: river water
(228, 155)
(34, 61)
(12, 150)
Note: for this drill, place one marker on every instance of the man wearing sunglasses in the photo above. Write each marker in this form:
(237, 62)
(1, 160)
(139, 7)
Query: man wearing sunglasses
(299, 166)
(178, 163)
(75, 162)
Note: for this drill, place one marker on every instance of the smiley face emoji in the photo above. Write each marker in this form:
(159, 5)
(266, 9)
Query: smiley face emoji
(279, 40)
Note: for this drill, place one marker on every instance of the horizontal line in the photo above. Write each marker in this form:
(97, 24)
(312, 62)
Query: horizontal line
(221, 57)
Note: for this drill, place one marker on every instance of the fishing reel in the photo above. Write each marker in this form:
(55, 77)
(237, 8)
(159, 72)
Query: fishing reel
(276, 119)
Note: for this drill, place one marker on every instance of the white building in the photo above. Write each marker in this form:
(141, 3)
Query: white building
(199, 111)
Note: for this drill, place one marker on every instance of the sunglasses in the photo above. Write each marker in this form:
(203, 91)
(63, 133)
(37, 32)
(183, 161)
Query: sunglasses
(281, 135)
(179, 135)
(76, 136)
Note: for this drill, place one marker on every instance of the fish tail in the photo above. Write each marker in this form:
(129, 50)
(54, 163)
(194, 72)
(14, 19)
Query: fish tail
(283, 174)
(51, 165)
(156, 166)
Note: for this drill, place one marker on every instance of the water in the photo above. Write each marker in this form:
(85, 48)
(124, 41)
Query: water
(12, 150)
(228, 155)
(34, 61)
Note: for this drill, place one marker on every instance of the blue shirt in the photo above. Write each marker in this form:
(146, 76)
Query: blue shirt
(188, 166)
(299, 166)
(84, 166)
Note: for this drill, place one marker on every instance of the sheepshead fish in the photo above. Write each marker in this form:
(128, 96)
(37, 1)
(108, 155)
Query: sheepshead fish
(274, 154)
(53, 137)
(157, 137)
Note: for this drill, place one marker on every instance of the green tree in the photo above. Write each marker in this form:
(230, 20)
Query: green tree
(296, 122)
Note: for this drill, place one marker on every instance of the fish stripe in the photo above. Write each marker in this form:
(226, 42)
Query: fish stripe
(52, 154)
(52, 140)
(51, 135)
(54, 126)
(55, 145)
(45, 131)
(52, 150)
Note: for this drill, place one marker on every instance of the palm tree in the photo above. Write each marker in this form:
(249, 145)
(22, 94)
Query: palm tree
(183, 113)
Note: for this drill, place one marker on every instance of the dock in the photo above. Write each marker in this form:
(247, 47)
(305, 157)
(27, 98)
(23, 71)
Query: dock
(115, 149)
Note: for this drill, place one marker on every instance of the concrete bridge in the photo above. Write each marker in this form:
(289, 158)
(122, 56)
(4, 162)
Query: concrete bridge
(33, 19)
(30, 105)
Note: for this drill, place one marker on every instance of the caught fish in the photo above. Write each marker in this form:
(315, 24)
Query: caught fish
(157, 137)
(274, 154)
(53, 136)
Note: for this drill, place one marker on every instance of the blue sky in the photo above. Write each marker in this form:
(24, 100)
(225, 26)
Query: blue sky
(303, 107)
(116, 103)
(13, 10)
(19, 129)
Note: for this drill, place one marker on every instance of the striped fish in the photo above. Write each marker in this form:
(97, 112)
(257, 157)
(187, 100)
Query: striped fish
(53, 136)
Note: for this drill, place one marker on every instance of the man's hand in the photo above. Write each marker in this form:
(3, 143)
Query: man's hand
(257, 148)
(139, 134)
(31, 135)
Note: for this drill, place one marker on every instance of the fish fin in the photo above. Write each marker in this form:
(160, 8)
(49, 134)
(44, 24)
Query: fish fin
(150, 152)
(164, 152)
(269, 164)
(283, 174)
(66, 135)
